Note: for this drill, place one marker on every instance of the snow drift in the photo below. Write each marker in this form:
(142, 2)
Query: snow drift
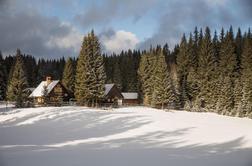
(133, 136)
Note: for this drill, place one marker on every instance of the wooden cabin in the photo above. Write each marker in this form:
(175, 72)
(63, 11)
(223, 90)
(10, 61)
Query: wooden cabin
(130, 98)
(56, 92)
(113, 94)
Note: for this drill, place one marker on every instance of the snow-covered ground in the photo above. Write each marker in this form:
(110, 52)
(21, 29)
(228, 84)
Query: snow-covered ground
(135, 136)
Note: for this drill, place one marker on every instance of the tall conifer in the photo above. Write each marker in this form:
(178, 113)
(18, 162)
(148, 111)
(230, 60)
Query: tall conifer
(68, 75)
(18, 82)
(90, 74)
(3, 78)
(163, 85)
(205, 71)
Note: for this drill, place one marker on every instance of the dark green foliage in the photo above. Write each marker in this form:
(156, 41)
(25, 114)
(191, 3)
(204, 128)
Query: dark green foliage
(90, 74)
(163, 84)
(122, 70)
(69, 75)
(3, 78)
(227, 60)
(31, 70)
(117, 75)
(246, 76)
(18, 82)
(203, 73)
(238, 88)
(246, 100)
(156, 83)
(182, 70)
(227, 65)
(238, 49)
(146, 76)
(226, 96)
(206, 71)
(53, 68)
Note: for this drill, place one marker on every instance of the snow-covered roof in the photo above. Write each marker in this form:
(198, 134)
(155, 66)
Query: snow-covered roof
(130, 95)
(108, 87)
(38, 92)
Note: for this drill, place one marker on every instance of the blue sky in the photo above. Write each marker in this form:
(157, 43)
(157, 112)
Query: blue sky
(55, 28)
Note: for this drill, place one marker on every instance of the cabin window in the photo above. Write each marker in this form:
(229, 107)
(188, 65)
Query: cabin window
(58, 89)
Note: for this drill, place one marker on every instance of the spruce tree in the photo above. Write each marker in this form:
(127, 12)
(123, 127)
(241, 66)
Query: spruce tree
(69, 75)
(18, 82)
(226, 96)
(182, 58)
(227, 67)
(117, 75)
(205, 71)
(192, 78)
(246, 57)
(238, 88)
(227, 62)
(3, 78)
(182, 61)
(163, 85)
(246, 100)
(246, 78)
(146, 76)
(90, 73)
(238, 49)
(167, 54)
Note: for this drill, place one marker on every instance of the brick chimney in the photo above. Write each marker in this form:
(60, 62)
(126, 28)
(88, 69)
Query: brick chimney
(48, 80)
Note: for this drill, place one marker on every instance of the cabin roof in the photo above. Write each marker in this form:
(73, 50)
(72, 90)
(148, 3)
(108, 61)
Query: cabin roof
(108, 87)
(38, 92)
(130, 95)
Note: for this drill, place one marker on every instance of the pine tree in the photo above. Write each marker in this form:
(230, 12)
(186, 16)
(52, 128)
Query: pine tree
(226, 96)
(205, 71)
(3, 78)
(163, 85)
(238, 49)
(215, 82)
(90, 74)
(246, 101)
(226, 72)
(191, 82)
(182, 58)
(246, 78)
(117, 75)
(182, 70)
(167, 54)
(238, 88)
(69, 75)
(216, 45)
(196, 38)
(227, 62)
(246, 57)
(145, 72)
(18, 82)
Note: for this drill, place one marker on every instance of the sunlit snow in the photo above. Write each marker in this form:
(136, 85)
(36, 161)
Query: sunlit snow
(134, 136)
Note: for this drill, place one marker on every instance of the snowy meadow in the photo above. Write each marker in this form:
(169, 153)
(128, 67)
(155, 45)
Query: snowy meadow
(121, 137)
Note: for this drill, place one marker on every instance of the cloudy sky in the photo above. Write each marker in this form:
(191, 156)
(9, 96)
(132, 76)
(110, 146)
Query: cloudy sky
(55, 28)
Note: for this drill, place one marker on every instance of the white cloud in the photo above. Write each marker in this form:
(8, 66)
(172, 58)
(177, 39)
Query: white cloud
(120, 40)
(70, 41)
(217, 2)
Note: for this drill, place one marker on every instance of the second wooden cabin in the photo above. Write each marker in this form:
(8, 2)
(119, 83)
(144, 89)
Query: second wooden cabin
(113, 95)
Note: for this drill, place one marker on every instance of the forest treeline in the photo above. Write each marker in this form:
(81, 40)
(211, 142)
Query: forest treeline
(204, 72)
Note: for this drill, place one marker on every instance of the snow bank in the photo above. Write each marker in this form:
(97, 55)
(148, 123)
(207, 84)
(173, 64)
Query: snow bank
(122, 137)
